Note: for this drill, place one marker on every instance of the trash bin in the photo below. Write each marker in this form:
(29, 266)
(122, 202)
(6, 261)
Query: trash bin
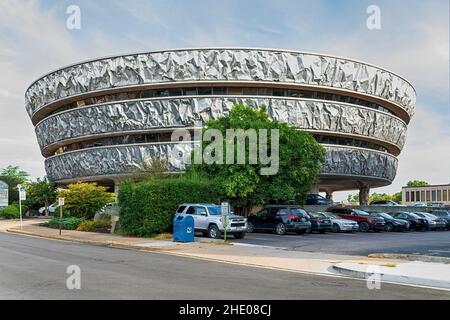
(183, 229)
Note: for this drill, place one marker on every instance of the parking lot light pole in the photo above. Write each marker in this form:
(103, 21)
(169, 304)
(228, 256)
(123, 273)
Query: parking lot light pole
(21, 197)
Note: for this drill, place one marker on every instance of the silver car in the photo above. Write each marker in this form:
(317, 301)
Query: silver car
(340, 224)
(208, 220)
(434, 223)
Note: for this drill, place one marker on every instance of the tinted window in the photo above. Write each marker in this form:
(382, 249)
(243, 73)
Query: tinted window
(284, 212)
(191, 210)
(181, 209)
(299, 212)
(263, 213)
(200, 210)
(361, 213)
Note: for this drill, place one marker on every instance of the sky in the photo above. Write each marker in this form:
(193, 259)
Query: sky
(413, 41)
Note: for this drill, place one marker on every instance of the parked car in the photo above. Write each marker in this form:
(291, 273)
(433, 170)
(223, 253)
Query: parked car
(391, 223)
(364, 220)
(318, 200)
(340, 224)
(434, 223)
(281, 219)
(419, 204)
(443, 214)
(416, 223)
(208, 220)
(385, 203)
(320, 222)
(51, 209)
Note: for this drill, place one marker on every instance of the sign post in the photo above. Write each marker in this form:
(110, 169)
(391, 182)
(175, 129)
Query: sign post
(225, 208)
(22, 197)
(60, 204)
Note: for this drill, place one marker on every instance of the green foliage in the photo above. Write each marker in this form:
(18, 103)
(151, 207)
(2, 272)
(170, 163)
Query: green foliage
(13, 176)
(102, 225)
(70, 223)
(417, 183)
(10, 212)
(85, 199)
(397, 197)
(243, 185)
(154, 167)
(40, 193)
(148, 207)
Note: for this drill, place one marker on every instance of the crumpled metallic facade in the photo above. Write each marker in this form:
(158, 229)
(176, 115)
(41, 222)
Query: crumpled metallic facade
(145, 115)
(359, 162)
(119, 160)
(247, 65)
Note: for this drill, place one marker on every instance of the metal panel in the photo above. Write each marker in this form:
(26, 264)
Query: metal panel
(120, 160)
(220, 65)
(156, 114)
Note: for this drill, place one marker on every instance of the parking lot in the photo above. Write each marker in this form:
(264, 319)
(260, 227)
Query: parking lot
(433, 243)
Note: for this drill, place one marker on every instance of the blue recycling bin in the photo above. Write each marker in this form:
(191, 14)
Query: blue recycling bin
(183, 229)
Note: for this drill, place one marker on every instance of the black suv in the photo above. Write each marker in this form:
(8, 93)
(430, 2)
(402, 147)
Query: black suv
(281, 219)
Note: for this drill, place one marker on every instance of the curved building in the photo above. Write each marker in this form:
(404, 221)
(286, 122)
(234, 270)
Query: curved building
(98, 120)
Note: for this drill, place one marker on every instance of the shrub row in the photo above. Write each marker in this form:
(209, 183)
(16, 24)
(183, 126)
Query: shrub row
(102, 225)
(148, 207)
(12, 211)
(70, 223)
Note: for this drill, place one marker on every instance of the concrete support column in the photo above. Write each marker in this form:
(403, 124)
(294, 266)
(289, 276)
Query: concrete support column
(116, 189)
(315, 189)
(329, 195)
(364, 195)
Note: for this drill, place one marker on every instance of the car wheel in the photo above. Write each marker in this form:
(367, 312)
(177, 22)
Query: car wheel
(239, 235)
(214, 232)
(389, 227)
(301, 231)
(336, 228)
(250, 227)
(364, 227)
(280, 229)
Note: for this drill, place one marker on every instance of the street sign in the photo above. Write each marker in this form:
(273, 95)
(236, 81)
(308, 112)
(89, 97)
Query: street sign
(4, 193)
(22, 195)
(225, 210)
(60, 201)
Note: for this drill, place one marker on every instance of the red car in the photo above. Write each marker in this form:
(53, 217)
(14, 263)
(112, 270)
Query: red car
(366, 221)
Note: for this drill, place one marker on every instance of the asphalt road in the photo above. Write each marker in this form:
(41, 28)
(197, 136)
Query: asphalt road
(434, 243)
(33, 268)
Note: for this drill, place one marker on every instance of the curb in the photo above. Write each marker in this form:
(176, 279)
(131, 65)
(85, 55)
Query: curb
(410, 257)
(398, 279)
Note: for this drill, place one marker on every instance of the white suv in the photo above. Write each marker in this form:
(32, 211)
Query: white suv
(208, 220)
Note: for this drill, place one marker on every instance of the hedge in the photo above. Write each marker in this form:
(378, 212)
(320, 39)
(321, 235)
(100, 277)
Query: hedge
(11, 212)
(70, 223)
(148, 207)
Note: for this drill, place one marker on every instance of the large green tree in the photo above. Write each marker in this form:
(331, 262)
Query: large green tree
(13, 176)
(40, 193)
(245, 185)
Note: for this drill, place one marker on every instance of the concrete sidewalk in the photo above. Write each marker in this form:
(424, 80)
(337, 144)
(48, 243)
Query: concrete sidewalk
(392, 270)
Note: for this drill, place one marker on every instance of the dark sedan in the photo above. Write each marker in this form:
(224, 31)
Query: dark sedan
(320, 222)
(417, 223)
(281, 219)
(391, 223)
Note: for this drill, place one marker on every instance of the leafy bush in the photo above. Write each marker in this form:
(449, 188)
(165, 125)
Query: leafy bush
(148, 207)
(10, 212)
(102, 225)
(83, 200)
(70, 223)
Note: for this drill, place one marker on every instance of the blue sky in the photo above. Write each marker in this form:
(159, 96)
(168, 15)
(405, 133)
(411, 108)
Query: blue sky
(413, 41)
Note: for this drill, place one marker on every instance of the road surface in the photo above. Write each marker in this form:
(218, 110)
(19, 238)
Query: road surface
(34, 268)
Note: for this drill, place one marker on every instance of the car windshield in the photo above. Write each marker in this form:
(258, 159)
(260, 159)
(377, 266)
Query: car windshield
(317, 215)
(299, 212)
(332, 216)
(361, 213)
(385, 215)
(214, 211)
(414, 215)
